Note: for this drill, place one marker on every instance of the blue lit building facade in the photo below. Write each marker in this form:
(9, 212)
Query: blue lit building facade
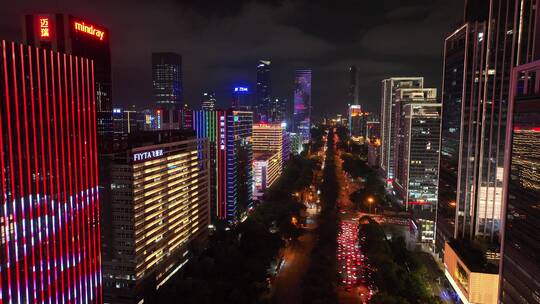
(231, 154)
(302, 104)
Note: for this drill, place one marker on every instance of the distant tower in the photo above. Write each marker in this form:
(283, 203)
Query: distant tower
(167, 80)
(208, 102)
(389, 127)
(240, 98)
(264, 90)
(353, 85)
(302, 104)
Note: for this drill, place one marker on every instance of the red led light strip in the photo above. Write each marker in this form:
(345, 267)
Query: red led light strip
(29, 179)
(36, 168)
(4, 186)
(13, 199)
(39, 198)
(36, 243)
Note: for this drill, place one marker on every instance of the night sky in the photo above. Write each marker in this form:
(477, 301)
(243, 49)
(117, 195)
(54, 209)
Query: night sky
(221, 42)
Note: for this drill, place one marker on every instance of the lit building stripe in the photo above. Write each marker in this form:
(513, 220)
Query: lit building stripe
(49, 187)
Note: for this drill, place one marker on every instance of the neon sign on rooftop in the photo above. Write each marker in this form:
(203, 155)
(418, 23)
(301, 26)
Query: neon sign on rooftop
(89, 29)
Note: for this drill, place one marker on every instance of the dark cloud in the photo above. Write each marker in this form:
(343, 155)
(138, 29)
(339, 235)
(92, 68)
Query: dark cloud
(221, 41)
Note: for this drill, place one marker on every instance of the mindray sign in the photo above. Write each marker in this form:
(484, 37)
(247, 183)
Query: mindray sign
(89, 29)
(147, 155)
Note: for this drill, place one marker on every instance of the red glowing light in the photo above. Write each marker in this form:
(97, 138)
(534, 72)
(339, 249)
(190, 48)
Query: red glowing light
(89, 29)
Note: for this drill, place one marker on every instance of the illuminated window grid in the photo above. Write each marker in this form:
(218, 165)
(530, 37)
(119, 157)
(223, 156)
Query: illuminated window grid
(184, 180)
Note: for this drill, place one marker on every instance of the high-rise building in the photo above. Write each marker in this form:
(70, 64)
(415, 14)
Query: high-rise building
(278, 111)
(417, 155)
(266, 170)
(355, 121)
(296, 143)
(456, 52)
(302, 104)
(50, 232)
(373, 130)
(79, 37)
(167, 80)
(268, 138)
(159, 209)
(241, 100)
(208, 102)
(264, 90)
(353, 85)
(172, 119)
(373, 153)
(485, 102)
(231, 154)
(126, 122)
(287, 145)
(496, 36)
(389, 120)
(520, 265)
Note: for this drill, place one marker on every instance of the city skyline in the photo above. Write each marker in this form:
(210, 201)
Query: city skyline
(257, 171)
(172, 27)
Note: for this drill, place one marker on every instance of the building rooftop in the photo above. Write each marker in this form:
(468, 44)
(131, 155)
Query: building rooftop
(474, 256)
(148, 138)
(262, 155)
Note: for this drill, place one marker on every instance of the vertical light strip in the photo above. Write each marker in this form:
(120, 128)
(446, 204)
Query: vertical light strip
(86, 227)
(5, 229)
(13, 200)
(55, 196)
(90, 188)
(62, 183)
(37, 152)
(96, 176)
(77, 162)
(67, 183)
(72, 184)
(48, 199)
(20, 160)
(38, 177)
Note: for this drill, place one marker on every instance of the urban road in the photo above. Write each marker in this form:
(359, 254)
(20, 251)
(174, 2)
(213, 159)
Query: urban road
(296, 257)
(287, 284)
(351, 290)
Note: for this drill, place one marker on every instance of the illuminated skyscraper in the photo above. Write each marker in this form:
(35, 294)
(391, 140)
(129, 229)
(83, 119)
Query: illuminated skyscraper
(389, 120)
(355, 121)
(302, 104)
(268, 138)
(484, 108)
(456, 51)
(417, 155)
(353, 85)
(208, 102)
(167, 80)
(266, 170)
(126, 122)
(373, 130)
(520, 265)
(264, 90)
(77, 36)
(241, 99)
(495, 37)
(49, 210)
(231, 154)
(160, 207)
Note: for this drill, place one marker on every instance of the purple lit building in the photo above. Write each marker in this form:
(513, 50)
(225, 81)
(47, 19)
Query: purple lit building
(302, 104)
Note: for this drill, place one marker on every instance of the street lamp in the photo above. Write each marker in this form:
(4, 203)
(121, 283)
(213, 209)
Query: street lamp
(370, 201)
